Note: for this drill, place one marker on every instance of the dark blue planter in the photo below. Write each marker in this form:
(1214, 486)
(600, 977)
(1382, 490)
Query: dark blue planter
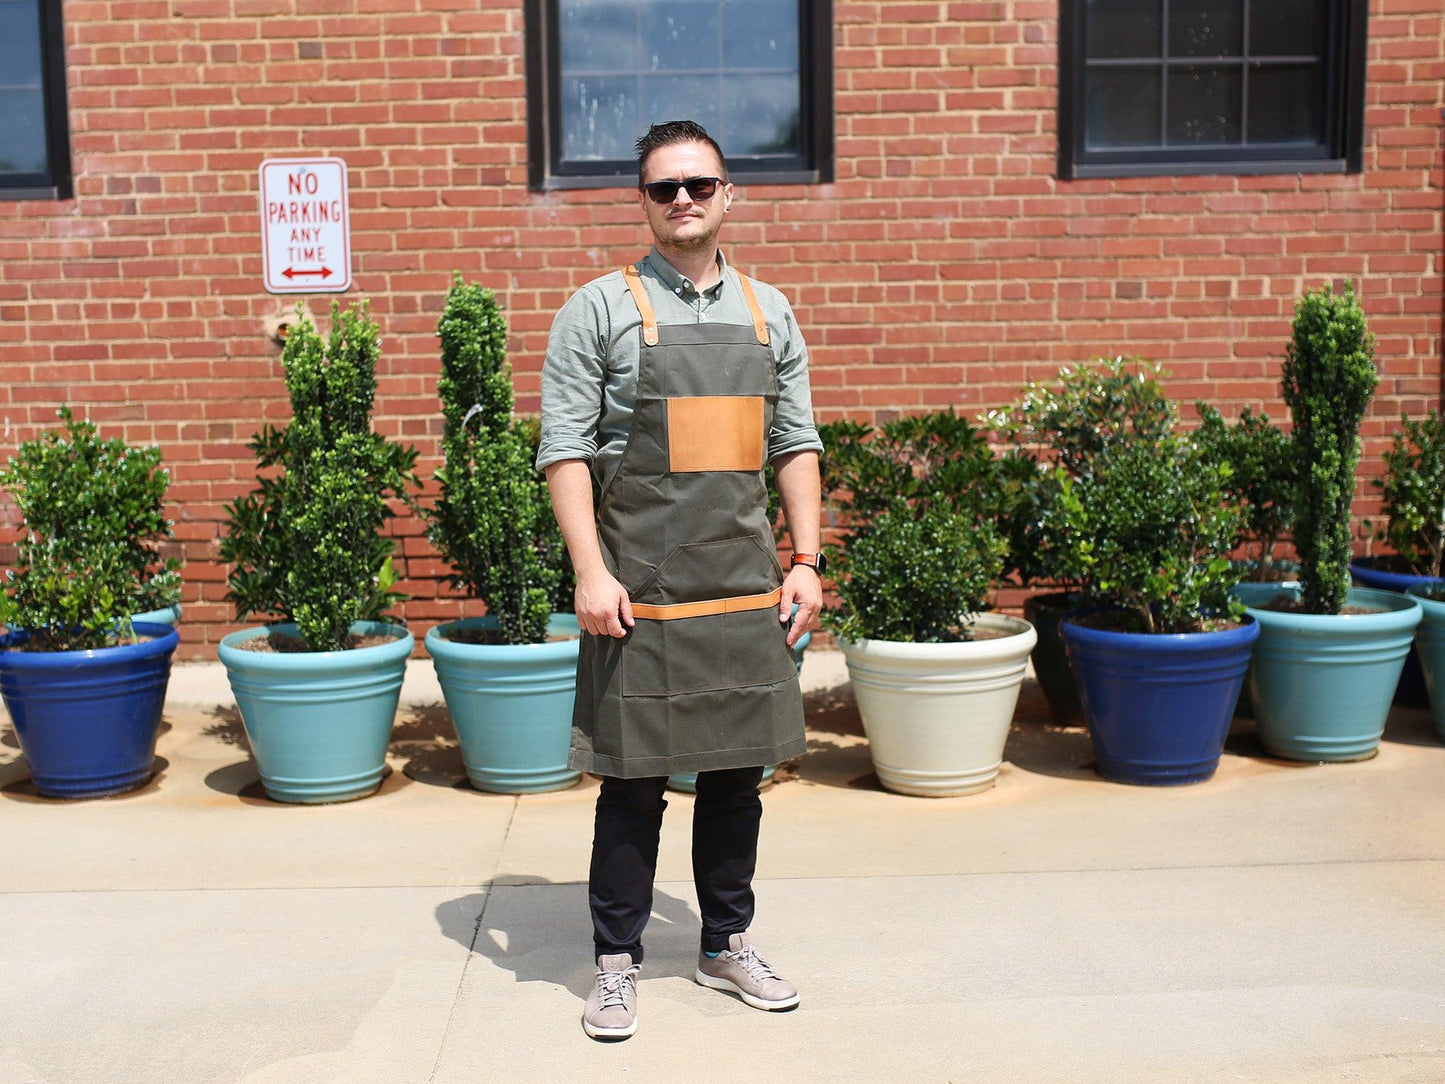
(1411, 691)
(1159, 706)
(87, 720)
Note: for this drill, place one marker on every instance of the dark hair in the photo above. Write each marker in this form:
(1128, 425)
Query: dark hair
(674, 131)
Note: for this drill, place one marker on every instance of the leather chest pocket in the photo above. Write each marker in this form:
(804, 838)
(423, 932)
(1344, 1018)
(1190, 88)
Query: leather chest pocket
(715, 432)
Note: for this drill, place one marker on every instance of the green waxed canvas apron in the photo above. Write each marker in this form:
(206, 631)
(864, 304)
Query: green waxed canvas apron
(704, 680)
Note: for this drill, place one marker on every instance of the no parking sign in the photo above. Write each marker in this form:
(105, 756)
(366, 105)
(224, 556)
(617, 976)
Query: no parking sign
(305, 225)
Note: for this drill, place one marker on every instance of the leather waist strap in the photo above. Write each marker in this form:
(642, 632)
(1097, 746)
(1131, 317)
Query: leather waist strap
(736, 604)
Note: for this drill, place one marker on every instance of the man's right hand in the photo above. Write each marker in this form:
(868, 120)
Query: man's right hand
(603, 607)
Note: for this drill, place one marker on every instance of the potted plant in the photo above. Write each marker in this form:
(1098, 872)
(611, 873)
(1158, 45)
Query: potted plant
(936, 678)
(1160, 661)
(1054, 432)
(1329, 656)
(318, 687)
(84, 683)
(509, 678)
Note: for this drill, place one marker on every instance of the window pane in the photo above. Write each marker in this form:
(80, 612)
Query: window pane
(1204, 104)
(22, 99)
(1284, 104)
(599, 117)
(679, 97)
(679, 35)
(760, 34)
(1123, 28)
(1287, 27)
(1206, 27)
(597, 36)
(762, 117)
(1122, 107)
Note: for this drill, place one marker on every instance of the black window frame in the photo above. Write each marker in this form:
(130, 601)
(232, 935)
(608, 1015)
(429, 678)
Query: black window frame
(1343, 148)
(58, 183)
(546, 171)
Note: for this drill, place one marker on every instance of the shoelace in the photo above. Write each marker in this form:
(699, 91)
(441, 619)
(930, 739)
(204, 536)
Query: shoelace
(612, 987)
(749, 960)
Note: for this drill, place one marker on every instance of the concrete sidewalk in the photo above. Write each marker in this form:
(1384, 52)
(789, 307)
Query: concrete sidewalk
(1279, 923)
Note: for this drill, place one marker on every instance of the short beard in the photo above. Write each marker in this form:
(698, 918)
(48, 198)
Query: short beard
(691, 245)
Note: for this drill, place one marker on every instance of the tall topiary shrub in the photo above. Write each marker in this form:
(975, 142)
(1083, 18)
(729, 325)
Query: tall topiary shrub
(89, 556)
(1413, 488)
(307, 544)
(1329, 376)
(492, 521)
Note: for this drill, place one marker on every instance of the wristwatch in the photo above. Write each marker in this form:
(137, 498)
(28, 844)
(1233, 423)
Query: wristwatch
(816, 561)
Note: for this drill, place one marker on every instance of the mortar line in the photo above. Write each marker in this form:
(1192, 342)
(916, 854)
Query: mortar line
(490, 886)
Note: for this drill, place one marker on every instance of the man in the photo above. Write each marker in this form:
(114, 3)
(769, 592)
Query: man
(670, 383)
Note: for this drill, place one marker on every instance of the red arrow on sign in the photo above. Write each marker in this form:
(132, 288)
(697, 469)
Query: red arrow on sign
(291, 272)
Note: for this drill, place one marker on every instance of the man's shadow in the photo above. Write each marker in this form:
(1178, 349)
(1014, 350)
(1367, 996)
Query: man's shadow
(540, 931)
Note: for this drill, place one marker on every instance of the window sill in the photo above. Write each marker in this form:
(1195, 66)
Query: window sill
(1195, 169)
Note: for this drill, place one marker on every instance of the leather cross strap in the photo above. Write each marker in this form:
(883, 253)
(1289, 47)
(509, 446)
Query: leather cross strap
(644, 306)
(709, 607)
(760, 325)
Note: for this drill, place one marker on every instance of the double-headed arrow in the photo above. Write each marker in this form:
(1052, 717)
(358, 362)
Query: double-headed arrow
(291, 272)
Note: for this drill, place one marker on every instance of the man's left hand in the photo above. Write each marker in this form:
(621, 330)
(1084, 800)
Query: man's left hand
(804, 587)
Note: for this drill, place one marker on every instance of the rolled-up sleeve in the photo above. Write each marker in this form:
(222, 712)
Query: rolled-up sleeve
(573, 377)
(793, 429)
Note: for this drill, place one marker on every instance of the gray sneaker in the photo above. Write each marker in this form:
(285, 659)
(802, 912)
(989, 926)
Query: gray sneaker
(611, 1011)
(741, 970)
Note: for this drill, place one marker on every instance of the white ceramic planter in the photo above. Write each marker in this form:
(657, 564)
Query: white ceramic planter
(937, 715)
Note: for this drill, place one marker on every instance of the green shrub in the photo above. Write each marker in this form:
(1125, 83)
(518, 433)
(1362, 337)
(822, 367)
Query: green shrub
(1062, 426)
(1413, 489)
(307, 544)
(1150, 532)
(492, 521)
(1264, 477)
(88, 558)
(916, 503)
(1329, 376)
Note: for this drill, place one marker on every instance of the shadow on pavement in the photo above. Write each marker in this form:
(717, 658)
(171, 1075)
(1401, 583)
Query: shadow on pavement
(1411, 726)
(15, 784)
(424, 736)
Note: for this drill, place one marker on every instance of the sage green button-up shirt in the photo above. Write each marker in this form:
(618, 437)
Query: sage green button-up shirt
(589, 379)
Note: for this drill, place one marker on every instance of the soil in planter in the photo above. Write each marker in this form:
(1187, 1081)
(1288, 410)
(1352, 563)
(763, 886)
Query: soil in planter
(490, 637)
(1286, 605)
(28, 648)
(282, 643)
(1123, 621)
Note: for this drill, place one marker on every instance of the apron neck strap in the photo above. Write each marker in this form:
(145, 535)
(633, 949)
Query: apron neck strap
(760, 325)
(644, 305)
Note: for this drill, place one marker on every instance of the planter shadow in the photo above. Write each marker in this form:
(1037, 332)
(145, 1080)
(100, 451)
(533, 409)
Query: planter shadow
(15, 784)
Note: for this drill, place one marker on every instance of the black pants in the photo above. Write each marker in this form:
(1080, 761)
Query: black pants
(725, 820)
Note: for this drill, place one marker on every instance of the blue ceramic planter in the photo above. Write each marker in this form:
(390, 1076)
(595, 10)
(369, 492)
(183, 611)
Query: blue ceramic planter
(87, 720)
(686, 782)
(1430, 644)
(1322, 683)
(1158, 705)
(319, 722)
(1411, 690)
(511, 705)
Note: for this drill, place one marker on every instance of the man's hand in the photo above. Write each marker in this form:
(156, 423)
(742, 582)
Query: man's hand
(603, 607)
(804, 587)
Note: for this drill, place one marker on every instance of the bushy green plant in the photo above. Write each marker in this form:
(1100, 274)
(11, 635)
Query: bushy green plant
(916, 503)
(307, 544)
(93, 521)
(1329, 377)
(492, 521)
(1055, 431)
(1150, 532)
(1264, 477)
(1413, 488)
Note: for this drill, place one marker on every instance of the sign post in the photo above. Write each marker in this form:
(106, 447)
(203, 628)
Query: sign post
(305, 225)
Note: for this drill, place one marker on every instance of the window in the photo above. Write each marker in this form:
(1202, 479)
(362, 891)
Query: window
(757, 74)
(34, 134)
(1210, 86)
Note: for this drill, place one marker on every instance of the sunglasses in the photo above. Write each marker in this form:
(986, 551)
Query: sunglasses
(700, 189)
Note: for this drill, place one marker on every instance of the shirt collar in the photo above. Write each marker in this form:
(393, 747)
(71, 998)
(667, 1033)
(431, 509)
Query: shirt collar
(675, 281)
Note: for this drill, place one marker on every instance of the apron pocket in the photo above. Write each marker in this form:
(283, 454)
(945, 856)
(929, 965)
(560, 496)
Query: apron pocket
(715, 433)
(702, 654)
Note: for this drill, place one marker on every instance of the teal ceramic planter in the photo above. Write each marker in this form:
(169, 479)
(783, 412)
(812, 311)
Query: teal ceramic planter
(170, 615)
(319, 722)
(686, 782)
(511, 705)
(1322, 683)
(1430, 645)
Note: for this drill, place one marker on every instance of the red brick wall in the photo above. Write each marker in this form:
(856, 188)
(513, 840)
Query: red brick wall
(946, 265)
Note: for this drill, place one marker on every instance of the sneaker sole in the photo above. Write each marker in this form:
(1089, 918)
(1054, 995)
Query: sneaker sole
(712, 982)
(609, 1033)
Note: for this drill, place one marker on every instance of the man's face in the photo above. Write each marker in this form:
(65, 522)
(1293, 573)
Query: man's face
(685, 224)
